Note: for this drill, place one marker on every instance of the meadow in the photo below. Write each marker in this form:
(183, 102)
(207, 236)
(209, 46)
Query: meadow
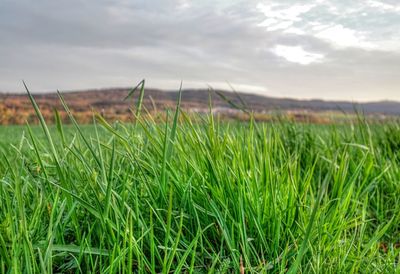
(199, 196)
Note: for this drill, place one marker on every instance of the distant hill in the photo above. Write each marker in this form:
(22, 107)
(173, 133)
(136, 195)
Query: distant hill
(16, 108)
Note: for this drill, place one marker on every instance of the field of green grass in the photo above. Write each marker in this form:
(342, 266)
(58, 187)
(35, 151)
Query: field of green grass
(200, 197)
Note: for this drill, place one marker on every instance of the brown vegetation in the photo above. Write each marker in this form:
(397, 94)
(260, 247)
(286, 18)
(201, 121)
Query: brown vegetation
(17, 109)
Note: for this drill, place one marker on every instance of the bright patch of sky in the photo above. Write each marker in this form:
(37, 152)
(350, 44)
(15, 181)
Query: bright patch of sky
(278, 18)
(340, 23)
(297, 54)
(388, 7)
(343, 37)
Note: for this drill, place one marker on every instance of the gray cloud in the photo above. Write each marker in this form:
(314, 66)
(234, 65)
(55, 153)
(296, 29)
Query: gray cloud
(80, 44)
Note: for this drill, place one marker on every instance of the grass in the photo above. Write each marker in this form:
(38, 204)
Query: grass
(200, 197)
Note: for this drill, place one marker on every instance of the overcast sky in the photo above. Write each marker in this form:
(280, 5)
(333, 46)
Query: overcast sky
(331, 49)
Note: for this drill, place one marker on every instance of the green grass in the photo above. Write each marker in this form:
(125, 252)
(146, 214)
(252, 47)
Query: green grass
(200, 197)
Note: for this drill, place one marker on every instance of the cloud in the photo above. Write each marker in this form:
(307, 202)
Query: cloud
(324, 48)
(281, 17)
(343, 37)
(384, 6)
(297, 54)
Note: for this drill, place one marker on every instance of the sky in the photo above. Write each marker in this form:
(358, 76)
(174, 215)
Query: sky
(328, 49)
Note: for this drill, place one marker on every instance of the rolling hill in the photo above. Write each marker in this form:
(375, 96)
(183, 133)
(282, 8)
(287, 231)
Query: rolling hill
(16, 108)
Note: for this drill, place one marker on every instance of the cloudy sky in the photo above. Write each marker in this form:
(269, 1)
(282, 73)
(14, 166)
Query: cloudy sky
(331, 49)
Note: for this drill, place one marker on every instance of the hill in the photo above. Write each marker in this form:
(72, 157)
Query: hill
(16, 108)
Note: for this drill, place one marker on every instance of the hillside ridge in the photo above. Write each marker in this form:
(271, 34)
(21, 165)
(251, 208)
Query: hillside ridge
(16, 108)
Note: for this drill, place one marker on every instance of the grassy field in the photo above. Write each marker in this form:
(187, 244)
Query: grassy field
(200, 197)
